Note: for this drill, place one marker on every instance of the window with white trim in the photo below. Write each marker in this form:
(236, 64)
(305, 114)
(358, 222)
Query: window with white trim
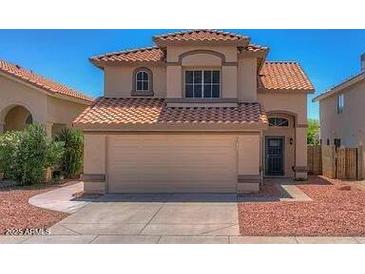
(202, 83)
(340, 103)
(142, 81)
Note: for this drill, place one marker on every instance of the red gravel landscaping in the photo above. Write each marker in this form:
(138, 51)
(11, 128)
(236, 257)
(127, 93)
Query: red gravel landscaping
(333, 212)
(16, 213)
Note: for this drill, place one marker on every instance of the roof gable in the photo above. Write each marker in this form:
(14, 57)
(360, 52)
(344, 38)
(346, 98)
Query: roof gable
(49, 86)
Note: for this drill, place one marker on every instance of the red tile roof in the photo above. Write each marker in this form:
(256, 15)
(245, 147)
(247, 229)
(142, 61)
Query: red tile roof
(40, 82)
(283, 76)
(152, 54)
(200, 35)
(107, 111)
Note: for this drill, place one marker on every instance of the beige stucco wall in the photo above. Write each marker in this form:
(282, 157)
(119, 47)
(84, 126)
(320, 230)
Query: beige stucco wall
(349, 125)
(63, 112)
(249, 154)
(247, 79)
(174, 81)
(94, 163)
(229, 82)
(294, 103)
(13, 93)
(173, 52)
(201, 59)
(118, 80)
(94, 154)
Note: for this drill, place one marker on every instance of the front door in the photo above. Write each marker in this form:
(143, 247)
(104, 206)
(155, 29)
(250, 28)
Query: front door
(274, 156)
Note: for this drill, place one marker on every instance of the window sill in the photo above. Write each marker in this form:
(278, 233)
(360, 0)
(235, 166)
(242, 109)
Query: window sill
(142, 93)
(202, 100)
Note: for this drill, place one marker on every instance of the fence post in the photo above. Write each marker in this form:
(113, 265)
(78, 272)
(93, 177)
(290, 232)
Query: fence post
(360, 163)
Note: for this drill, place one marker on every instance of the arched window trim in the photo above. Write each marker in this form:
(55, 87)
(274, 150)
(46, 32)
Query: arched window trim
(149, 91)
(284, 123)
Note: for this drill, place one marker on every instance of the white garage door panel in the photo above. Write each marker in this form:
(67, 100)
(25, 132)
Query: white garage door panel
(172, 163)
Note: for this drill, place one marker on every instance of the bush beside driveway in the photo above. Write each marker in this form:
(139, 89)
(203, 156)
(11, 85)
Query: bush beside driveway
(333, 212)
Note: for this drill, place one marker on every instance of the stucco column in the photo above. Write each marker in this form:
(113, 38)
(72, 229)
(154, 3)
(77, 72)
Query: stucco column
(174, 81)
(301, 153)
(48, 127)
(1, 128)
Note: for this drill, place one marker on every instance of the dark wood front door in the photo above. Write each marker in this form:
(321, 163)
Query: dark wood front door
(274, 154)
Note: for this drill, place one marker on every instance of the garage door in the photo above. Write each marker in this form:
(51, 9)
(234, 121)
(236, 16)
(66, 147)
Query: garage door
(171, 163)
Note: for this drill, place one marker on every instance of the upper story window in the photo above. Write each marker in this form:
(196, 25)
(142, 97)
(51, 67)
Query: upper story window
(142, 82)
(278, 122)
(340, 103)
(202, 83)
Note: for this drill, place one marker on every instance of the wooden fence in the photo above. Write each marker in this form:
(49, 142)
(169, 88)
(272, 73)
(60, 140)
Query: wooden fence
(332, 162)
(314, 156)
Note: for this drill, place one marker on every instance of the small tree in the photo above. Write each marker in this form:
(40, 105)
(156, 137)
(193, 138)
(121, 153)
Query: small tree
(26, 154)
(74, 150)
(313, 132)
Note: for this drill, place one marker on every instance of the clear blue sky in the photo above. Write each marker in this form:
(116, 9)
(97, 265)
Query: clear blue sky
(328, 56)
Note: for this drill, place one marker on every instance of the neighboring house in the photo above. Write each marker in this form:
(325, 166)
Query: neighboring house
(342, 112)
(202, 111)
(27, 98)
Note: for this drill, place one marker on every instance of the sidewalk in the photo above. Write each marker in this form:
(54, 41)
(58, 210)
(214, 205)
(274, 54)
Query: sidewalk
(153, 239)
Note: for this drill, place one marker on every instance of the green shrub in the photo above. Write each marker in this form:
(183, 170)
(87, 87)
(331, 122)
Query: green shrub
(26, 154)
(74, 150)
(9, 148)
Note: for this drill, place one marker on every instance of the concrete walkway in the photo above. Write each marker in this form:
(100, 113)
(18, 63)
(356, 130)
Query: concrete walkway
(60, 199)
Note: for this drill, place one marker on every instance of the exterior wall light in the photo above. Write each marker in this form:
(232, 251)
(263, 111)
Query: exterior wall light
(291, 141)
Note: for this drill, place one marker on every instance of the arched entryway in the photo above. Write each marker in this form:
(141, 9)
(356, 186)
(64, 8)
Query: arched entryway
(279, 145)
(16, 118)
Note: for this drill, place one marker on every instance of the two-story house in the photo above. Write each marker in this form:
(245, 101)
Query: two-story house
(201, 111)
(342, 111)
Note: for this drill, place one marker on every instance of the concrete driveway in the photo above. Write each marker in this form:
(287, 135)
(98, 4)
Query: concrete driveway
(169, 218)
(144, 219)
